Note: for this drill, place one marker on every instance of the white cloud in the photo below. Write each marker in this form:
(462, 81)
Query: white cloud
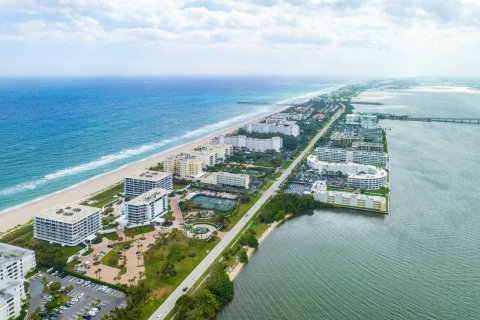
(412, 30)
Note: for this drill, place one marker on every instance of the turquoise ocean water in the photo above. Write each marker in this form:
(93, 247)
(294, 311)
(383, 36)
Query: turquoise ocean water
(56, 133)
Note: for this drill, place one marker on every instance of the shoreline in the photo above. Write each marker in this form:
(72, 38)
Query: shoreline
(23, 213)
(233, 274)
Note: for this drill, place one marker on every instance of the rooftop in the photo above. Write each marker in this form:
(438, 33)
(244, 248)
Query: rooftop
(148, 196)
(69, 214)
(8, 288)
(150, 175)
(233, 174)
(9, 252)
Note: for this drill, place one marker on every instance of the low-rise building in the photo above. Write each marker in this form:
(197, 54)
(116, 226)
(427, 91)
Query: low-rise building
(320, 193)
(254, 144)
(147, 207)
(15, 262)
(360, 176)
(184, 165)
(357, 156)
(232, 179)
(12, 294)
(146, 180)
(367, 146)
(69, 225)
(288, 129)
(365, 120)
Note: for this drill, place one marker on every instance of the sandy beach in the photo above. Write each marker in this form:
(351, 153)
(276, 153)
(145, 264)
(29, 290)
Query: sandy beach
(23, 213)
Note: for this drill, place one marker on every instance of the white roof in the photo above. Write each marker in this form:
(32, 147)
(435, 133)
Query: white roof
(9, 253)
(148, 196)
(149, 175)
(69, 214)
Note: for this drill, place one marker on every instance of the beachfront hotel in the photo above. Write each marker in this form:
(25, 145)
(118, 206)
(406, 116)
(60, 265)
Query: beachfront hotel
(147, 207)
(367, 146)
(183, 165)
(68, 226)
(283, 127)
(144, 181)
(357, 156)
(359, 176)
(12, 295)
(253, 144)
(15, 262)
(232, 179)
(320, 193)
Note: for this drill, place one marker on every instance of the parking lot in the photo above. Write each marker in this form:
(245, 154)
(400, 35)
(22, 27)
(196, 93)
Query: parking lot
(85, 295)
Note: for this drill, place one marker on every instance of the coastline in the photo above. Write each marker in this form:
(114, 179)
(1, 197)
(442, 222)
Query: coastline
(238, 268)
(23, 213)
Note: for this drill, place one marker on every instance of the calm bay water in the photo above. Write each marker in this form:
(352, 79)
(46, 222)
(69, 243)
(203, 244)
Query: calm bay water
(59, 132)
(419, 262)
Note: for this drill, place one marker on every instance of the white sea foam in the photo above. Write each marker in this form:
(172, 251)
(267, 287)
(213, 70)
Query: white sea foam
(129, 153)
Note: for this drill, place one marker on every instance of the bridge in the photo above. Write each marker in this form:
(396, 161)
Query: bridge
(451, 120)
(432, 119)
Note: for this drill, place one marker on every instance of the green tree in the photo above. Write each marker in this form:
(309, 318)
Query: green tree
(242, 256)
(201, 305)
(55, 286)
(220, 285)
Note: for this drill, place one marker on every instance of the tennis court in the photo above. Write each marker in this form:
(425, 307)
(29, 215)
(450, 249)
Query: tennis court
(213, 203)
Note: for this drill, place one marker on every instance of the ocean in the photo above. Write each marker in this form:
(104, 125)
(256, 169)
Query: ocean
(420, 261)
(59, 132)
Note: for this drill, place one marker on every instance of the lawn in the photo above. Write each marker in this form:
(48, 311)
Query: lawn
(184, 253)
(111, 236)
(242, 210)
(286, 164)
(132, 232)
(112, 257)
(107, 195)
(267, 185)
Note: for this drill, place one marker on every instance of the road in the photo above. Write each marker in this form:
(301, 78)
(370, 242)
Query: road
(196, 274)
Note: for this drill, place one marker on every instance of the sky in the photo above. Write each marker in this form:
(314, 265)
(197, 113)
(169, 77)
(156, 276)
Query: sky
(344, 38)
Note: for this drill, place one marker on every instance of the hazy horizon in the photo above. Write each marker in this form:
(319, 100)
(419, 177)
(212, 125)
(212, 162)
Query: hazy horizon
(335, 38)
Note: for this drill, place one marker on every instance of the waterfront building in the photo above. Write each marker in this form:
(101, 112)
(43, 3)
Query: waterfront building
(12, 295)
(253, 144)
(284, 116)
(15, 262)
(146, 180)
(288, 129)
(359, 176)
(367, 146)
(68, 226)
(212, 154)
(320, 193)
(365, 120)
(147, 207)
(357, 156)
(347, 134)
(183, 165)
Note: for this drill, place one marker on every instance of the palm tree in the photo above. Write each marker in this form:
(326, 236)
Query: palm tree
(140, 275)
(99, 273)
(138, 261)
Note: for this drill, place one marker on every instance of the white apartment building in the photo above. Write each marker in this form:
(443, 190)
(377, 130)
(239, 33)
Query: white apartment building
(144, 181)
(320, 193)
(15, 262)
(359, 176)
(283, 128)
(148, 206)
(367, 146)
(365, 120)
(254, 144)
(212, 154)
(12, 294)
(68, 226)
(232, 179)
(357, 156)
(284, 116)
(183, 165)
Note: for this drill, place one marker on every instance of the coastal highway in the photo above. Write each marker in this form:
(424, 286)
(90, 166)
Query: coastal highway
(195, 275)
